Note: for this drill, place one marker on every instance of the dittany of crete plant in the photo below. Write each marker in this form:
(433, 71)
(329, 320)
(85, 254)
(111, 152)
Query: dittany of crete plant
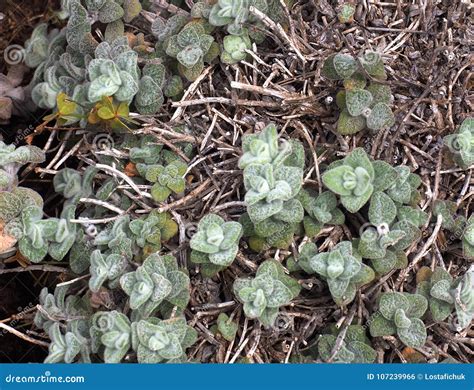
(353, 179)
(263, 295)
(72, 186)
(162, 341)
(226, 327)
(76, 65)
(152, 230)
(187, 41)
(57, 307)
(113, 13)
(37, 47)
(355, 348)
(361, 105)
(116, 236)
(461, 144)
(156, 281)
(14, 199)
(343, 271)
(111, 335)
(65, 319)
(301, 261)
(166, 179)
(236, 17)
(234, 48)
(272, 187)
(64, 348)
(320, 210)
(400, 314)
(38, 237)
(21, 210)
(110, 266)
(404, 189)
(146, 152)
(235, 14)
(12, 158)
(215, 244)
(388, 235)
(436, 287)
(393, 193)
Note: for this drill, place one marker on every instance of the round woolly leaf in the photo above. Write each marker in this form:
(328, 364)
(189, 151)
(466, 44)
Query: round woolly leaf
(224, 257)
(325, 346)
(382, 209)
(338, 287)
(345, 65)
(359, 158)
(380, 326)
(173, 87)
(381, 116)
(373, 64)
(156, 71)
(10, 206)
(110, 12)
(357, 100)
(281, 295)
(100, 87)
(385, 264)
(354, 203)
(412, 234)
(347, 124)
(192, 73)
(381, 93)
(232, 233)
(160, 193)
(113, 31)
(440, 290)
(132, 9)
(401, 320)
(128, 88)
(356, 81)
(291, 212)
(392, 301)
(417, 305)
(335, 179)
(227, 328)
(440, 310)
(189, 56)
(415, 335)
(328, 70)
(384, 175)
